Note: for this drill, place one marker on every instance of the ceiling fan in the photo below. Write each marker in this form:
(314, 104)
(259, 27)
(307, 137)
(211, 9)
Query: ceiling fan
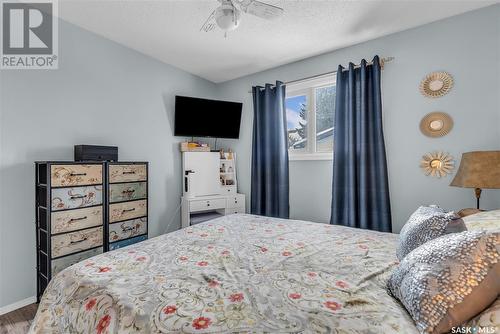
(227, 15)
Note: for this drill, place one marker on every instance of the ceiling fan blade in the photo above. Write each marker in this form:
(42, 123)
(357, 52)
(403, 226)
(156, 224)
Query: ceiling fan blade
(260, 9)
(209, 24)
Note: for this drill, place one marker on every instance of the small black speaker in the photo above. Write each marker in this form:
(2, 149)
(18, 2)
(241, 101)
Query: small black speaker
(96, 153)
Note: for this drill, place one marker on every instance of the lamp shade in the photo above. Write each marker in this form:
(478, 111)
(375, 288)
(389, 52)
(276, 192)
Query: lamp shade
(480, 169)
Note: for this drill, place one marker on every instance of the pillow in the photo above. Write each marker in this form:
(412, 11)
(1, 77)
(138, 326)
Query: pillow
(427, 223)
(449, 280)
(486, 220)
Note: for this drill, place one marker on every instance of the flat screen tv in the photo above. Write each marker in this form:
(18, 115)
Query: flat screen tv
(196, 117)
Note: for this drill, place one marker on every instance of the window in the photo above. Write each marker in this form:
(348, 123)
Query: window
(310, 111)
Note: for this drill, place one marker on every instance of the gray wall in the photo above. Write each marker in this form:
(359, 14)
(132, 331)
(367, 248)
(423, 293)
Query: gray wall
(102, 93)
(468, 47)
(311, 190)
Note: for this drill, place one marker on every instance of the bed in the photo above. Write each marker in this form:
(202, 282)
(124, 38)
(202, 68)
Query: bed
(238, 273)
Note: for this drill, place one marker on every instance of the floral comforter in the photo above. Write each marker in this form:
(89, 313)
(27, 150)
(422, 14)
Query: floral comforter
(238, 273)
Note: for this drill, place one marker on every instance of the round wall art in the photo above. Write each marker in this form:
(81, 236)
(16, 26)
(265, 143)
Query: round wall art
(436, 124)
(437, 164)
(436, 84)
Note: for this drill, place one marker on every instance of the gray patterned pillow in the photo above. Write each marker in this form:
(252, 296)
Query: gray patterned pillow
(427, 223)
(449, 280)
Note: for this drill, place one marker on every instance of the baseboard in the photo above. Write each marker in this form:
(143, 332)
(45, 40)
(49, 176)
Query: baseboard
(17, 305)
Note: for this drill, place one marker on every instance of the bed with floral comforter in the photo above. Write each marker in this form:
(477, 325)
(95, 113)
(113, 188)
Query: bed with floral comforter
(238, 273)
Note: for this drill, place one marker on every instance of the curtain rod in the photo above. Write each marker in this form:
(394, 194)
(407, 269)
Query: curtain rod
(383, 61)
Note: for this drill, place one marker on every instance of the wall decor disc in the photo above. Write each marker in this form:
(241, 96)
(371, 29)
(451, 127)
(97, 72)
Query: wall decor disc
(436, 124)
(436, 84)
(437, 164)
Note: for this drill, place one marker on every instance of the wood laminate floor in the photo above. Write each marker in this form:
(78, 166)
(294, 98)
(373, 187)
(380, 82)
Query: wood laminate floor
(18, 321)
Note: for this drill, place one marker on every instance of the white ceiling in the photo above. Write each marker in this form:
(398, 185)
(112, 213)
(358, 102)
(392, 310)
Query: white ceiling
(170, 30)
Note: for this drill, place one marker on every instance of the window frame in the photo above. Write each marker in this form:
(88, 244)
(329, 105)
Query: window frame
(308, 88)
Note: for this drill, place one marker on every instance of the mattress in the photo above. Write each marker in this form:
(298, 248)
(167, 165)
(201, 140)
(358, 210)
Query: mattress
(237, 273)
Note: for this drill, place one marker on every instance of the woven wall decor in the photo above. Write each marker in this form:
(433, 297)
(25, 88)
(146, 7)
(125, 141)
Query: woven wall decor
(436, 124)
(436, 84)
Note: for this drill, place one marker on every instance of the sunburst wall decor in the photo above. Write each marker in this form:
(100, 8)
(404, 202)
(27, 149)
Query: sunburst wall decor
(437, 164)
(436, 84)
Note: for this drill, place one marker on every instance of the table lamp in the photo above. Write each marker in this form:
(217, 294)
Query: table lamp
(478, 170)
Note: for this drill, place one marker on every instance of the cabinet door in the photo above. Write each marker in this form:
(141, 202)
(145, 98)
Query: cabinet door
(204, 180)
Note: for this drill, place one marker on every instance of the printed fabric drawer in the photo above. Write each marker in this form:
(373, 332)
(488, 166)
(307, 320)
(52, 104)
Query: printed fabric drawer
(235, 201)
(127, 173)
(127, 242)
(75, 175)
(128, 229)
(64, 262)
(68, 243)
(78, 197)
(127, 210)
(127, 191)
(209, 204)
(71, 220)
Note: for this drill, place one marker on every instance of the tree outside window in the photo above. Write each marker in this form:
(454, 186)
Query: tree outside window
(310, 111)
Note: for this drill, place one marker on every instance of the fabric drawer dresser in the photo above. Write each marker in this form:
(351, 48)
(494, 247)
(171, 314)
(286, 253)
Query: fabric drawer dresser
(84, 209)
(128, 203)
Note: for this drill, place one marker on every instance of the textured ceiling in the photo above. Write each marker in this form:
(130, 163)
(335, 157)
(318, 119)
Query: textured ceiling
(170, 30)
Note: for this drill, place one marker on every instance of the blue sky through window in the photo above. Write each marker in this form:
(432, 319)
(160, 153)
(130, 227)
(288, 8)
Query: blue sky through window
(292, 105)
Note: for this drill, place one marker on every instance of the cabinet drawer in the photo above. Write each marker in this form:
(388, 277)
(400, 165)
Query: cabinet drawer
(63, 244)
(75, 175)
(230, 211)
(208, 204)
(128, 229)
(71, 220)
(127, 210)
(127, 191)
(78, 197)
(127, 242)
(229, 190)
(235, 201)
(127, 173)
(64, 262)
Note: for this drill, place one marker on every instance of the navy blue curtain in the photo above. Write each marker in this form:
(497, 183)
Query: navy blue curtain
(269, 195)
(360, 196)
